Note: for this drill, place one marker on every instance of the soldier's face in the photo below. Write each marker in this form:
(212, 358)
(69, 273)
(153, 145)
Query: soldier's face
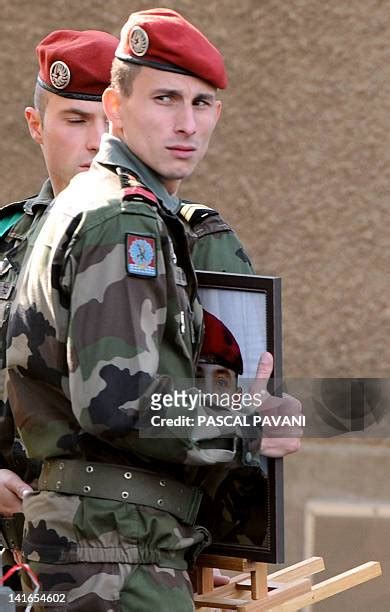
(69, 134)
(167, 121)
(214, 378)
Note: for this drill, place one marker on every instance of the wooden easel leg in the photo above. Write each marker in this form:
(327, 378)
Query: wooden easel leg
(205, 580)
(259, 586)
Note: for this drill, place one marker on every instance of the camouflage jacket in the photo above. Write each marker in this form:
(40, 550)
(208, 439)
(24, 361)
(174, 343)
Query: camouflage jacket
(18, 223)
(91, 336)
(213, 244)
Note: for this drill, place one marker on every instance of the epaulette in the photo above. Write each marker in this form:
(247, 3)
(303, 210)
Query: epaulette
(133, 189)
(13, 213)
(194, 213)
(12, 207)
(18, 205)
(9, 215)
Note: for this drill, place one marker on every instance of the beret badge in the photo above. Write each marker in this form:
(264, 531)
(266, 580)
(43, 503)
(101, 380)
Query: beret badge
(138, 41)
(59, 75)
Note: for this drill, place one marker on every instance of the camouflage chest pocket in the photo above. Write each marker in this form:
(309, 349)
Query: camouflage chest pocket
(8, 278)
(185, 314)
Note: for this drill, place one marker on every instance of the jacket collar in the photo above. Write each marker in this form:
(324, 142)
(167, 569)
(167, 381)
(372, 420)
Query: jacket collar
(44, 197)
(114, 152)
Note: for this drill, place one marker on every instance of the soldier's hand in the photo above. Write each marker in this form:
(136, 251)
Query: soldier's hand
(219, 578)
(12, 491)
(277, 441)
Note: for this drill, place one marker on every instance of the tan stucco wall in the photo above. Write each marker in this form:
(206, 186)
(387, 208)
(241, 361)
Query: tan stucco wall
(299, 165)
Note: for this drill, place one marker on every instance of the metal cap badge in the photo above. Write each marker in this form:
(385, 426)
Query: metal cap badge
(138, 41)
(59, 75)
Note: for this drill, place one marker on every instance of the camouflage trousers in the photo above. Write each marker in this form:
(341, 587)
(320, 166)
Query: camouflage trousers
(114, 587)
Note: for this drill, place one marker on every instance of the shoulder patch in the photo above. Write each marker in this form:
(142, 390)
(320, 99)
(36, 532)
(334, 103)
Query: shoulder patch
(141, 255)
(195, 213)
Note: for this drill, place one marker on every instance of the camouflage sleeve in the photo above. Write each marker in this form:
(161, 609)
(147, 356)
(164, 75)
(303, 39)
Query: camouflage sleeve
(12, 452)
(126, 342)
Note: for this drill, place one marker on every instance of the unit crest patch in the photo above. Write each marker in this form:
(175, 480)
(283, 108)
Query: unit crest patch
(141, 256)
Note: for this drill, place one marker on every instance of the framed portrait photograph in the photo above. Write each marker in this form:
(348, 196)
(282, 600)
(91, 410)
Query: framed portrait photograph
(242, 501)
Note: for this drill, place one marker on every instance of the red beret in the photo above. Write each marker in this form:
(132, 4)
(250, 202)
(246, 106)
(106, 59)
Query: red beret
(162, 39)
(219, 345)
(76, 64)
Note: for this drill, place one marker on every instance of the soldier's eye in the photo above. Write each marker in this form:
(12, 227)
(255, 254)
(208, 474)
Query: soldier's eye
(222, 382)
(164, 99)
(202, 102)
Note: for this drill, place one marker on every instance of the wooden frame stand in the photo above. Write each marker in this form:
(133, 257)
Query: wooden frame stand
(285, 590)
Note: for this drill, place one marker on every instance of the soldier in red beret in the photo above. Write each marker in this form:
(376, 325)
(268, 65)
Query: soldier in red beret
(220, 360)
(108, 305)
(67, 121)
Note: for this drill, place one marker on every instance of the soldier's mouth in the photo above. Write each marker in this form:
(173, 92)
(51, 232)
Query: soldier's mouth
(182, 151)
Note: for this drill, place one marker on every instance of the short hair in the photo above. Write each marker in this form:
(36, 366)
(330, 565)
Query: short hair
(123, 75)
(40, 100)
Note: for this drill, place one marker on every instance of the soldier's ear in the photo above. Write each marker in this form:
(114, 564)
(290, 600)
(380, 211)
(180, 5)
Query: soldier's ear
(112, 107)
(34, 122)
(218, 106)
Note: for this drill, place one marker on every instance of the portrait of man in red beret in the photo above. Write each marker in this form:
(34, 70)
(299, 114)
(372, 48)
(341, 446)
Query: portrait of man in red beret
(220, 361)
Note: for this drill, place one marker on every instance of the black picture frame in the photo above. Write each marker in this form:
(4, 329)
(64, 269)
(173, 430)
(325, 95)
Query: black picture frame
(268, 289)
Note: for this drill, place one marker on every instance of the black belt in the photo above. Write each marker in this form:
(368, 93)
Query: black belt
(121, 483)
